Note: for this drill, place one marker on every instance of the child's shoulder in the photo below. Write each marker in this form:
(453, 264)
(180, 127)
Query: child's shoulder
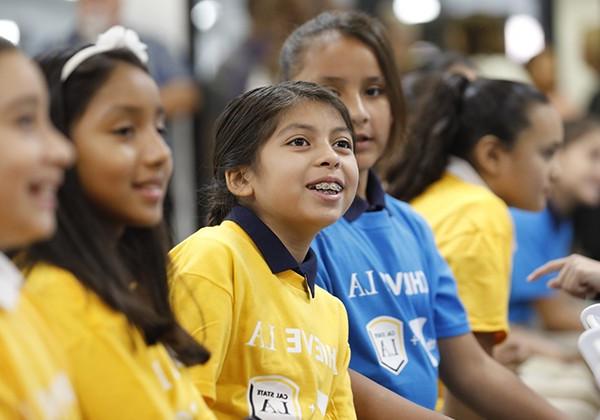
(49, 281)
(211, 240)
(462, 205)
(73, 311)
(405, 211)
(330, 302)
(214, 250)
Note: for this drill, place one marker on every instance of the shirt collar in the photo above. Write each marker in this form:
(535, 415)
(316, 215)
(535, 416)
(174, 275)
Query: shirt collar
(274, 252)
(375, 199)
(462, 169)
(10, 283)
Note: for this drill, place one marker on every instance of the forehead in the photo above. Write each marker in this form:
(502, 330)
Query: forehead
(590, 138)
(19, 77)
(333, 54)
(545, 126)
(317, 114)
(127, 85)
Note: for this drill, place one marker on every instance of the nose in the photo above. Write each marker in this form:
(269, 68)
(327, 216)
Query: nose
(554, 170)
(357, 109)
(328, 157)
(156, 151)
(59, 151)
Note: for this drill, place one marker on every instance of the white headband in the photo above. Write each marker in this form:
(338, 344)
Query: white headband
(114, 38)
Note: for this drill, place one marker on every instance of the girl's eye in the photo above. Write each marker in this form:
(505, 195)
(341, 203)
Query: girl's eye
(343, 143)
(127, 131)
(298, 141)
(374, 91)
(548, 154)
(162, 130)
(26, 121)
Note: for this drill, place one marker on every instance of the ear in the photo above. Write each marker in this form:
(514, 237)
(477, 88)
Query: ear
(239, 182)
(490, 155)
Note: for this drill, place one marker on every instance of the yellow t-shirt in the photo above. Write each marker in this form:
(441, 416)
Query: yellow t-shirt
(277, 352)
(115, 374)
(34, 382)
(474, 233)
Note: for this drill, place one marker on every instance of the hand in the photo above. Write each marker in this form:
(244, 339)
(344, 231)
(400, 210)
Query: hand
(577, 275)
(513, 351)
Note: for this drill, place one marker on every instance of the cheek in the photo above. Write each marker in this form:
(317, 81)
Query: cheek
(350, 166)
(105, 172)
(382, 115)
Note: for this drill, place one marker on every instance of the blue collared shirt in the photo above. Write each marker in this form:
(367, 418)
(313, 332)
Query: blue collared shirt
(381, 261)
(276, 255)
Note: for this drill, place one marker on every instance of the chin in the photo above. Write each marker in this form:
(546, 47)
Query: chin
(36, 233)
(538, 206)
(145, 221)
(327, 220)
(44, 229)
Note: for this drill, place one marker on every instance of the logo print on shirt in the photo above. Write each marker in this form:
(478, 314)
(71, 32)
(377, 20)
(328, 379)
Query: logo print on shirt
(387, 337)
(416, 325)
(273, 397)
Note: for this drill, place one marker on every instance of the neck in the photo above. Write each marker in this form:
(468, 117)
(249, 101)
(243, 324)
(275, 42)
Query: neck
(363, 177)
(562, 202)
(296, 237)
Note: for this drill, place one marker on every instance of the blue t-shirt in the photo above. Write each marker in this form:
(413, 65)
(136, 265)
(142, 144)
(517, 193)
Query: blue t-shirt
(541, 237)
(382, 262)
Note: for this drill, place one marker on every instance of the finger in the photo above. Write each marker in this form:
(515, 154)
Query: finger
(573, 282)
(549, 267)
(554, 283)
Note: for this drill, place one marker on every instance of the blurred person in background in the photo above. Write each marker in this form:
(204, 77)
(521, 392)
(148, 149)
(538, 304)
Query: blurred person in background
(592, 57)
(545, 324)
(542, 70)
(254, 62)
(179, 92)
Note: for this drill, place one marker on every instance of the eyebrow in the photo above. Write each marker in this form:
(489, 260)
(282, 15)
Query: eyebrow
(335, 79)
(132, 110)
(30, 100)
(308, 127)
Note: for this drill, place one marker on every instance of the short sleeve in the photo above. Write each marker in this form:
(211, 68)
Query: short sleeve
(202, 297)
(481, 263)
(450, 315)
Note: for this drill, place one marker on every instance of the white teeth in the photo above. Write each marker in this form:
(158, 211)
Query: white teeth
(328, 186)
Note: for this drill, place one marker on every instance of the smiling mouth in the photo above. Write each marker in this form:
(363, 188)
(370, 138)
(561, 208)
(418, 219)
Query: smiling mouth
(329, 188)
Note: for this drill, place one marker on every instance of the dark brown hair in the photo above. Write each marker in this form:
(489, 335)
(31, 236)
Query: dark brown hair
(246, 123)
(451, 119)
(81, 244)
(370, 32)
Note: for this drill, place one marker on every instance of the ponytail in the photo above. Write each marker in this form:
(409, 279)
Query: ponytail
(430, 140)
(220, 201)
(451, 120)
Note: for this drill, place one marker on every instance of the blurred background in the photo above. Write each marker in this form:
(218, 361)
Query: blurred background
(205, 52)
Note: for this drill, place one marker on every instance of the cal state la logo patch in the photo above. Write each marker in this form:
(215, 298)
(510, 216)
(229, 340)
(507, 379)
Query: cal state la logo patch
(387, 337)
(273, 397)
